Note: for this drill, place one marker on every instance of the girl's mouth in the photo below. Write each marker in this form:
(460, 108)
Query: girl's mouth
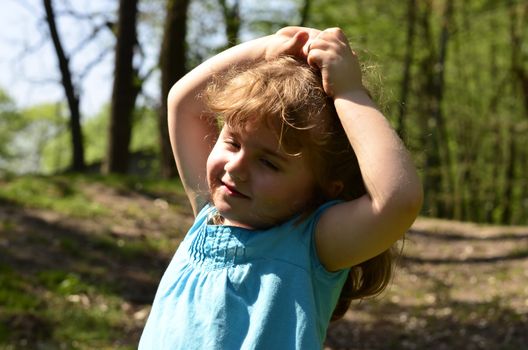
(232, 191)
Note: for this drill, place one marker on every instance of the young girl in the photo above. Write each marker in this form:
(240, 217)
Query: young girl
(299, 187)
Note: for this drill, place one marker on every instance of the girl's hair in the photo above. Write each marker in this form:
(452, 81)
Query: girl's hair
(287, 95)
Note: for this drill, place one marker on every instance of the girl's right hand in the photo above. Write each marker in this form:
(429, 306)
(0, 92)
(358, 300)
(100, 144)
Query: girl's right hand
(289, 41)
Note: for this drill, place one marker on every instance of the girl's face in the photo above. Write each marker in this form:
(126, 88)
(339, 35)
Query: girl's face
(253, 182)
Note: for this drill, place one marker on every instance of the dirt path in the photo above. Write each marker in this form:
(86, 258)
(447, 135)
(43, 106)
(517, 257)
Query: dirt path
(459, 286)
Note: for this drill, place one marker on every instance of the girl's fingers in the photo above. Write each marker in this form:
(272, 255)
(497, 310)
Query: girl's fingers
(285, 42)
(331, 54)
(314, 58)
(306, 47)
(297, 43)
(319, 51)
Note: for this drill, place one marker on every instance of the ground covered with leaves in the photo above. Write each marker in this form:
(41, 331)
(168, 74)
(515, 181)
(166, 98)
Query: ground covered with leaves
(81, 257)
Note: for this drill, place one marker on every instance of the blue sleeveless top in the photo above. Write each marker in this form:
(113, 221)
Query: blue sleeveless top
(233, 288)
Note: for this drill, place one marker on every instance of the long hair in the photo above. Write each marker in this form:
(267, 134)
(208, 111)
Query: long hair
(288, 96)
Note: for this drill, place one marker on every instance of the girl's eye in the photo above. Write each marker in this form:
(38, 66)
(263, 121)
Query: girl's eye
(232, 143)
(269, 165)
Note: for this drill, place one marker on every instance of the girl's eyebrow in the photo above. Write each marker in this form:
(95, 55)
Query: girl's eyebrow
(275, 154)
(266, 150)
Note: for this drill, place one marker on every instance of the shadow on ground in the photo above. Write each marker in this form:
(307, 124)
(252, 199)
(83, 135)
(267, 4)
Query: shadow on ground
(427, 310)
(446, 325)
(39, 257)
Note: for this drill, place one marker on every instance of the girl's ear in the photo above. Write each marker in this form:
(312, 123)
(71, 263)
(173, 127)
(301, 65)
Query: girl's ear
(334, 188)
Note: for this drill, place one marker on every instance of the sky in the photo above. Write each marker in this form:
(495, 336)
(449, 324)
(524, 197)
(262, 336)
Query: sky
(28, 64)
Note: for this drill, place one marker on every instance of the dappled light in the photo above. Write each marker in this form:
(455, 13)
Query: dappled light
(92, 207)
(88, 276)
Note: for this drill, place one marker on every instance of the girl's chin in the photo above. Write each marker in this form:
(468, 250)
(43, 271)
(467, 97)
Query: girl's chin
(232, 219)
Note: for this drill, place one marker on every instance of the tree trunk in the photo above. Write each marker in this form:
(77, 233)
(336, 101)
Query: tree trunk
(507, 212)
(520, 79)
(432, 176)
(125, 90)
(452, 204)
(494, 186)
(232, 21)
(69, 89)
(439, 176)
(517, 24)
(409, 53)
(305, 12)
(172, 62)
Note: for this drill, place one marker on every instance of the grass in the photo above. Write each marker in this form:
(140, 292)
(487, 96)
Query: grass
(60, 194)
(81, 257)
(68, 278)
(63, 193)
(53, 309)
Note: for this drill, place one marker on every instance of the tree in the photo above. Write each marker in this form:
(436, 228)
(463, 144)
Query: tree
(409, 53)
(172, 63)
(125, 89)
(518, 22)
(70, 90)
(305, 12)
(518, 14)
(232, 21)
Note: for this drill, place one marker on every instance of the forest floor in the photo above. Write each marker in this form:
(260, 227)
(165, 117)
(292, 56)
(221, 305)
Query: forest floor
(80, 259)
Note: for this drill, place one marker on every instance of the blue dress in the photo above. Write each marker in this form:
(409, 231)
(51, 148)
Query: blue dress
(233, 288)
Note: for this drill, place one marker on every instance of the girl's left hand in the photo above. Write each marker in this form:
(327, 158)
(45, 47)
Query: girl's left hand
(329, 51)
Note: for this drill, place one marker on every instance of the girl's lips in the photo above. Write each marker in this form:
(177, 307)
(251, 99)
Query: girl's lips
(233, 192)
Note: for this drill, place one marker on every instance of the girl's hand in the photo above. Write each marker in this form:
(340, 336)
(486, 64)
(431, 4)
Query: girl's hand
(288, 41)
(329, 51)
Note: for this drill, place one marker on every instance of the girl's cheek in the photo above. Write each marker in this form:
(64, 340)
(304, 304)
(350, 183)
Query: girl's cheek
(214, 156)
(212, 163)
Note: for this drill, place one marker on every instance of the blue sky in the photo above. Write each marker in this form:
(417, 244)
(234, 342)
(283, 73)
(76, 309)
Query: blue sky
(28, 65)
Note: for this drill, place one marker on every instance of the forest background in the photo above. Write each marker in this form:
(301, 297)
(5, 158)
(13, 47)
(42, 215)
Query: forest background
(452, 76)
(91, 208)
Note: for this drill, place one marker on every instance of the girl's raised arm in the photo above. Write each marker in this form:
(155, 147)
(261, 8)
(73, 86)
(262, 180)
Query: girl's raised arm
(350, 233)
(192, 132)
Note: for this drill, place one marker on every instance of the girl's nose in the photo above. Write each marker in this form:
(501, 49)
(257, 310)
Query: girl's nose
(236, 167)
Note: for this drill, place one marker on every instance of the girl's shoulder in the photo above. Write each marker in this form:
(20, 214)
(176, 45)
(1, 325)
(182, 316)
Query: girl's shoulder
(294, 239)
(308, 221)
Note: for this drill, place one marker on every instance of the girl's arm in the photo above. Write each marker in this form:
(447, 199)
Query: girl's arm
(192, 132)
(350, 233)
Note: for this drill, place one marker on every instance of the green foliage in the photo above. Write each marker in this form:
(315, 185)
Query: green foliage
(9, 121)
(57, 153)
(10, 124)
(464, 118)
(27, 132)
(145, 130)
(473, 166)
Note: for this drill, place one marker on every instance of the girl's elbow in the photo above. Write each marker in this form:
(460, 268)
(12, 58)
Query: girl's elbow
(174, 96)
(412, 200)
(405, 204)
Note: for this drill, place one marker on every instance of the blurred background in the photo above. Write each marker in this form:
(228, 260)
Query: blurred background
(86, 171)
(83, 87)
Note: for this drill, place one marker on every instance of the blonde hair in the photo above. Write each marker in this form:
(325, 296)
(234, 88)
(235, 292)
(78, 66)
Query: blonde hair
(288, 96)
